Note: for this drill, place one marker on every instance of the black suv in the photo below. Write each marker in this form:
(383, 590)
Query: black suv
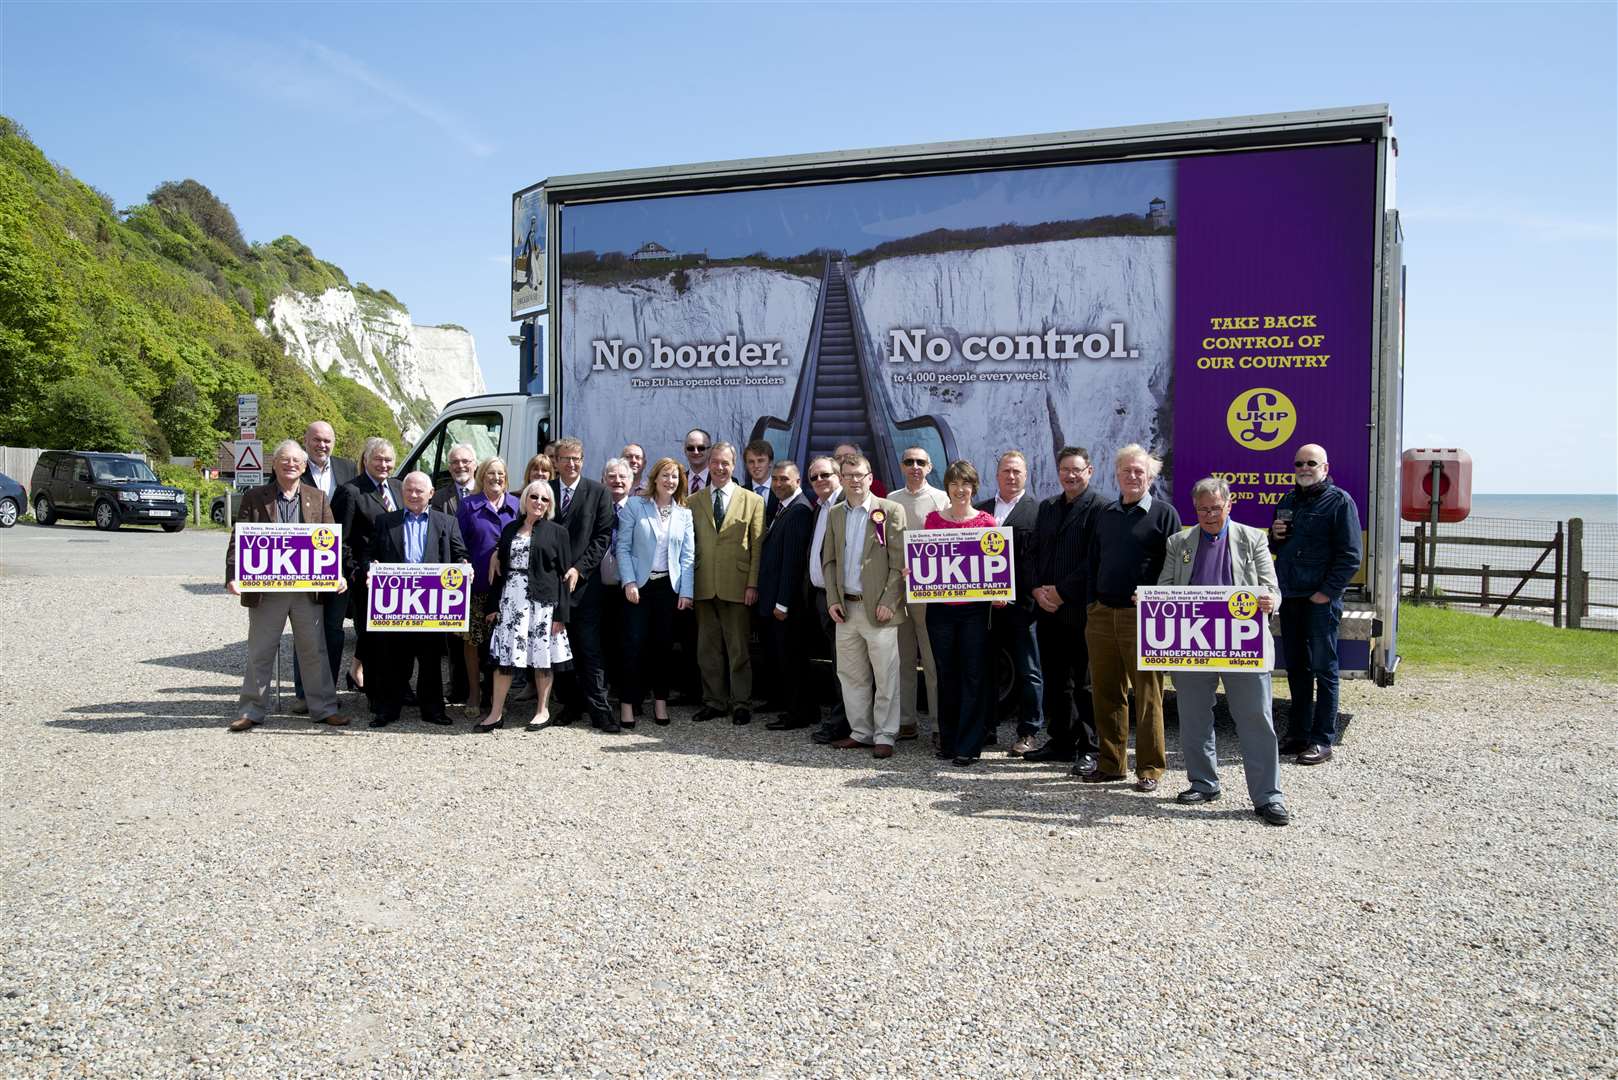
(110, 489)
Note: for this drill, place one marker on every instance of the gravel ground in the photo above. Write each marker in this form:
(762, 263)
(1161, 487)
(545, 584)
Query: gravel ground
(700, 900)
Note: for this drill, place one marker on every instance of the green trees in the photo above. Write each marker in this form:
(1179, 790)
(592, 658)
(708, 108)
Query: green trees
(136, 332)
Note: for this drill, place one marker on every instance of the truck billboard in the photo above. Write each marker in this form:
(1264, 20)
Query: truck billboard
(1216, 309)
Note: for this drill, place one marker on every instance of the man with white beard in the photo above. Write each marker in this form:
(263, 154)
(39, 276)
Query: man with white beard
(1316, 540)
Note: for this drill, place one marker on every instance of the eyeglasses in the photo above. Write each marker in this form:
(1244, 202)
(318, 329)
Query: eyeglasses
(695, 449)
(1304, 464)
(916, 463)
(814, 476)
(1210, 509)
(860, 477)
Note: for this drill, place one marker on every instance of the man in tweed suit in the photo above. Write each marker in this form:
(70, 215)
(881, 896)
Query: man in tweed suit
(728, 521)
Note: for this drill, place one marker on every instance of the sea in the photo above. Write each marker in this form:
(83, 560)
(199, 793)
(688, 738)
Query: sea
(1602, 507)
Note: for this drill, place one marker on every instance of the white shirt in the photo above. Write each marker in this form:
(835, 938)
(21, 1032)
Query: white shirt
(324, 480)
(817, 572)
(1003, 509)
(660, 528)
(854, 529)
(565, 493)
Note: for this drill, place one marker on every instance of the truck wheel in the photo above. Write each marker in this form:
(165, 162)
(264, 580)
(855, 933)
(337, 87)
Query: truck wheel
(8, 512)
(44, 512)
(173, 526)
(106, 516)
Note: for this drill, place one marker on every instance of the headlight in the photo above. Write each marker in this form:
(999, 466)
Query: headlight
(179, 496)
(128, 496)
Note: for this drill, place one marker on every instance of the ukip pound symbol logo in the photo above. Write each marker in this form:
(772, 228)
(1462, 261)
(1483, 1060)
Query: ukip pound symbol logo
(1261, 419)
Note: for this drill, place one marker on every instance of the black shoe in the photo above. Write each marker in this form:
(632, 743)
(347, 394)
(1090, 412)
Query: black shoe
(381, 721)
(566, 717)
(1273, 814)
(611, 727)
(1084, 763)
(500, 723)
(1191, 796)
(787, 724)
(1294, 746)
(1315, 755)
(441, 720)
(1051, 751)
(741, 717)
(706, 713)
(963, 761)
(661, 721)
(829, 733)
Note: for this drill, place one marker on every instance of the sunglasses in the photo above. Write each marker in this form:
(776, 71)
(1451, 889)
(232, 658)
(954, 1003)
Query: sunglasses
(695, 449)
(1304, 464)
(916, 463)
(820, 476)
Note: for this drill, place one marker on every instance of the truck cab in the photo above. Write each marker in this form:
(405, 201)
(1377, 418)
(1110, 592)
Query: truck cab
(513, 427)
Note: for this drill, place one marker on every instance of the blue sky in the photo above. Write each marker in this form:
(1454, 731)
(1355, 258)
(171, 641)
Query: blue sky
(390, 137)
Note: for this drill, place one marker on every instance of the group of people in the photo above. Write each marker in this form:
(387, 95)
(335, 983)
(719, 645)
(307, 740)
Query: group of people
(592, 586)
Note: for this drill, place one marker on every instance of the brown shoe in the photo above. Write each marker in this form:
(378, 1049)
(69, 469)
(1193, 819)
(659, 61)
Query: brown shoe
(881, 751)
(336, 719)
(1146, 785)
(908, 731)
(1096, 776)
(242, 723)
(850, 744)
(1022, 746)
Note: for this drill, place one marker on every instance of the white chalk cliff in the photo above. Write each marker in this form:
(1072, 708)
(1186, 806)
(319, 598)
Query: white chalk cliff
(1068, 285)
(756, 305)
(415, 369)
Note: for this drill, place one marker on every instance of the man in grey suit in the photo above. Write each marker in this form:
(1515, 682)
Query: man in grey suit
(1222, 552)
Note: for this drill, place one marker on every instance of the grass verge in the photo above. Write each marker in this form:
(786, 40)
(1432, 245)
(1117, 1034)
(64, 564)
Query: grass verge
(1433, 638)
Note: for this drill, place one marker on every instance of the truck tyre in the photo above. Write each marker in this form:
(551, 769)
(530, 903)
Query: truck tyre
(106, 516)
(44, 512)
(8, 512)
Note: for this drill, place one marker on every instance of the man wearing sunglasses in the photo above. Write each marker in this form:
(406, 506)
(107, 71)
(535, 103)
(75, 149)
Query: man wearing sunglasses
(919, 498)
(697, 445)
(1316, 539)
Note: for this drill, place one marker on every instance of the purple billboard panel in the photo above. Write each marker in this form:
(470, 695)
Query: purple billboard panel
(1201, 628)
(958, 565)
(272, 557)
(1273, 335)
(424, 597)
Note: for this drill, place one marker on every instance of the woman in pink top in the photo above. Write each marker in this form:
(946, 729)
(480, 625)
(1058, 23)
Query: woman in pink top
(959, 634)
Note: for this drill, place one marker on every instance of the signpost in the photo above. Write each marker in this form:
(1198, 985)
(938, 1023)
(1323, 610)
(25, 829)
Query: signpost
(249, 455)
(247, 416)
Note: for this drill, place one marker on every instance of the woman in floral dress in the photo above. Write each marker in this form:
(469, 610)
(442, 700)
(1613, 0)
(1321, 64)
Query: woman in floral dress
(530, 626)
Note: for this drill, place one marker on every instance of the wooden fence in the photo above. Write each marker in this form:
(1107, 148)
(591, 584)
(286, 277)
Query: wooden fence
(1536, 575)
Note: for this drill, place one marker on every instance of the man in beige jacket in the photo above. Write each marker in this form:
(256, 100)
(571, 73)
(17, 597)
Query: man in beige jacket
(863, 559)
(728, 521)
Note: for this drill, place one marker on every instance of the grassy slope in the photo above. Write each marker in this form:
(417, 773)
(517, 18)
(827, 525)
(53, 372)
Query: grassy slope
(1435, 638)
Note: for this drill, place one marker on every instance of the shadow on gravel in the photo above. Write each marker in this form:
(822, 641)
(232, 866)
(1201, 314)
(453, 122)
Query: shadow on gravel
(197, 588)
(226, 660)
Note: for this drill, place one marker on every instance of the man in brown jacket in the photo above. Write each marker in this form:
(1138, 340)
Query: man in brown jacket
(728, 521)
(285, 499)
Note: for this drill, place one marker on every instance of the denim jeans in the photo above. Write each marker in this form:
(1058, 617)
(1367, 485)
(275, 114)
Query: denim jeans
(1309, 635)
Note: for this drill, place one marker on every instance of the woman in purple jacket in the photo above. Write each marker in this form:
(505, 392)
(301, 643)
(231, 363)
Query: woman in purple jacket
(482, 518)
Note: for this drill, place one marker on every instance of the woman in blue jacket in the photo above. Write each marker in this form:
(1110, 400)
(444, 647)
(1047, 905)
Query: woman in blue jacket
(656, 553)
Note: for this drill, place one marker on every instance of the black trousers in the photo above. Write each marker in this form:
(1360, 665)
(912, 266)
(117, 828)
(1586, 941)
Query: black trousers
(585, 689)
(830, 691)
(649, 643)
(394, 655)
(1070, 715)
(613, 615)
(787, 643)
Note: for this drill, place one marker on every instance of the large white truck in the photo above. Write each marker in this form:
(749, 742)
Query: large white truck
(1219, 291)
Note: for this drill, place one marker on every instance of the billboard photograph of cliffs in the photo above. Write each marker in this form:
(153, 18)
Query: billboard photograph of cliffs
(970, 314)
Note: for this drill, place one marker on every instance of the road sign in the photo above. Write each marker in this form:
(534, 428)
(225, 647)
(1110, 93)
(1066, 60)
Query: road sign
(247, 416)
(249, 457)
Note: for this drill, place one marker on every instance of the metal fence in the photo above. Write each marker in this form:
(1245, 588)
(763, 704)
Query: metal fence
(1561, 572)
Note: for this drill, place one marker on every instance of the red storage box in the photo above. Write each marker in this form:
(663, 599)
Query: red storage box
(1416, 484)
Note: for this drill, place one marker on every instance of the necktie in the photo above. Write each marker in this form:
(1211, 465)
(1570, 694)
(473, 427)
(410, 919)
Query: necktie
(387, 497)
(718, 507)
(567, 498)
(696, 483)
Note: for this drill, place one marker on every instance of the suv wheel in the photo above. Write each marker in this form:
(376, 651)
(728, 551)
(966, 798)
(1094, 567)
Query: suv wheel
(106, 516)
(217, 512)
(8, 512)
(44, 512)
